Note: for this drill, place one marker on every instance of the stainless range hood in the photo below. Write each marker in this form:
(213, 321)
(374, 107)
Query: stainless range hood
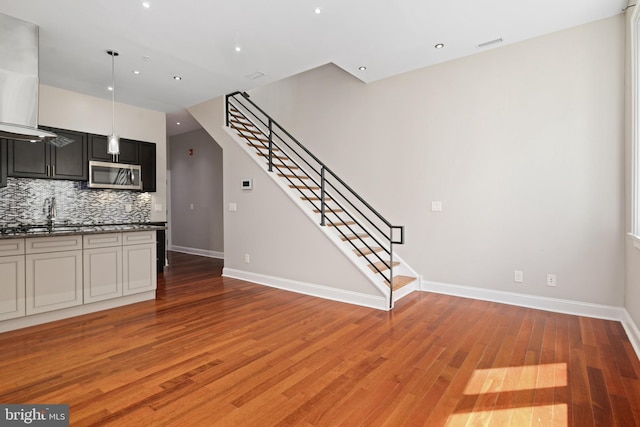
(19, 81)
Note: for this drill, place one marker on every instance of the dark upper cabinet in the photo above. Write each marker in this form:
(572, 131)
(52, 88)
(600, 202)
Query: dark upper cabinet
(42, 160)
(147, 157)
(3, 163)
(98, 150)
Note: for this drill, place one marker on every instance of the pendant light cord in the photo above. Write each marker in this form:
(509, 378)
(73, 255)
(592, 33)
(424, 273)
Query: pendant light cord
(113, 92)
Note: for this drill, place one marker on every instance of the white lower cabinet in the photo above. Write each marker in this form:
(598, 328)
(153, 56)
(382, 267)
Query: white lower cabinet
(43, 274)
(102, 274)
(12, 302)
(139, 268)
(53, 279)
(102, 266)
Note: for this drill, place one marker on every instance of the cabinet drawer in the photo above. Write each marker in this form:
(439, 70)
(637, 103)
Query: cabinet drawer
(11, 247)
(39, 245)
(139, 237)
(102, 240)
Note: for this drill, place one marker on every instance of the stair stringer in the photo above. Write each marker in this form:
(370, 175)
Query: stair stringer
(361, 264)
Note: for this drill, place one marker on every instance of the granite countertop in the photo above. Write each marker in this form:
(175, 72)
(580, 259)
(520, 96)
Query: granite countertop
(43, 230)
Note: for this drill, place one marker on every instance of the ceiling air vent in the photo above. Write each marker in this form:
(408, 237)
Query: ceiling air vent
(489, 43)
(255, 75)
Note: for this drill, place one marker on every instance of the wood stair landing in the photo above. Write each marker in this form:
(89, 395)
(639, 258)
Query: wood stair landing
(401, 281)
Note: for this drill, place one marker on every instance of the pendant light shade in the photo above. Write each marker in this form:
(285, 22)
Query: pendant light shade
(113, 142)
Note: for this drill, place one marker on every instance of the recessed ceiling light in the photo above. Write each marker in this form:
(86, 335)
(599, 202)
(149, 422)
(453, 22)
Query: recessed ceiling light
(362, 68)
(177, 78)
(110, 88)
(317, 11)
(178, 123)
(439, 46)
(146, 4)
(238, 48)
(136, 72)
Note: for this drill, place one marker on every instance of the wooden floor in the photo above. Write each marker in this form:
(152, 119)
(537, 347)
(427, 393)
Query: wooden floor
(212, 351)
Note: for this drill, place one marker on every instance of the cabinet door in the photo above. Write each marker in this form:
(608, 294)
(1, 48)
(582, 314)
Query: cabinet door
(3, 163)
(70, 161)
(12, 301)
(147, 157)
(128, 152)
(97, 145)
(28, 159)
(102, 273)
(139, 268)
(53, 281)
(98, 150)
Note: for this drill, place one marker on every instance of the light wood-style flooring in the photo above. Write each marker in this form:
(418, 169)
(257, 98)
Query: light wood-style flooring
(212, 351)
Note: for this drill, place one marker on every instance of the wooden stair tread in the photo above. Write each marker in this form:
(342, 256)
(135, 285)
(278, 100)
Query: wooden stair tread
(341, 223)
(315, 199)
(285, 175)
(285, 167)
(262, 147)
(329, 211)
(255, 138)
(367, 251)
(382, 266)
(239, 125)
(303, 187)
(401, 281)
(354, 237)
(260, 153)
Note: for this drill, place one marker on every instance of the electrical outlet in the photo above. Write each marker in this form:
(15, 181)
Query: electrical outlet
(436, 206)
(247, 258)
(518, 276)
(128, 207)
(551, 280)
(233, 207)
(191, 206)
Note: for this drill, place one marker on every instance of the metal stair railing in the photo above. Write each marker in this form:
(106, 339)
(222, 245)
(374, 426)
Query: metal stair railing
(336, 202)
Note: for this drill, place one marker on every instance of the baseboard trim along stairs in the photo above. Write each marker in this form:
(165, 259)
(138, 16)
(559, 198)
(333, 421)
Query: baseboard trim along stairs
(360, 239)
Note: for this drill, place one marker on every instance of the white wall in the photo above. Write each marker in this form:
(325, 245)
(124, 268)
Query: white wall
(71, 110)
(522, 144)
(196, 179)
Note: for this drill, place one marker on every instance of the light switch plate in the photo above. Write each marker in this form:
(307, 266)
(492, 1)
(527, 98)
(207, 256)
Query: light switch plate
(436, 206)
(157, 207)
(233, 207)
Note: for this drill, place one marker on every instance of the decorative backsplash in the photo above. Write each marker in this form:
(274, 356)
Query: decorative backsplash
(25, 201)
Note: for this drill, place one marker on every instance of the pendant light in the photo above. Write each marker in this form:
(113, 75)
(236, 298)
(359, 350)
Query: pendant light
(113, 142)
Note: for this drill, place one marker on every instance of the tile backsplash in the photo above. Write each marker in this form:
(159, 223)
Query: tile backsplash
(25, 201)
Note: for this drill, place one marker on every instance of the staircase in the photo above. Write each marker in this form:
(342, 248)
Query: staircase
(355, 227)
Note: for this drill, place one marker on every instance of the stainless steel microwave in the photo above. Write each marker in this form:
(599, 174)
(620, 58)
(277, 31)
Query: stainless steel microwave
(114, 175)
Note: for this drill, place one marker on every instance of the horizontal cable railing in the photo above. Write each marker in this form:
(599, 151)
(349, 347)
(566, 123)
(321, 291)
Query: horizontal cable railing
(337, 204)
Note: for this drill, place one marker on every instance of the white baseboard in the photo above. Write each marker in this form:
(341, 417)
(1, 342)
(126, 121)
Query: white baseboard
(78, 310)
(632, 331)
(576, 308)
(196, 251)
(372, 301)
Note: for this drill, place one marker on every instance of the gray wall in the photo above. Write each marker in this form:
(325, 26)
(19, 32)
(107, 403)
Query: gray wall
(196, 180)
(523, 145)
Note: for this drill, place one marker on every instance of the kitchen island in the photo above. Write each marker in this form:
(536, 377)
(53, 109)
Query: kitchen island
(50, 272)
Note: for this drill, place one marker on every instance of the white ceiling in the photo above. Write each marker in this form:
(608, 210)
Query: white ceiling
(196, 39)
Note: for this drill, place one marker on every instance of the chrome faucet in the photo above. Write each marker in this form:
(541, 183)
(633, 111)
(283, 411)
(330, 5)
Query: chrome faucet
(52, 211)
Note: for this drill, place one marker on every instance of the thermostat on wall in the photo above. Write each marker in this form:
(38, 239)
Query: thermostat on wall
(247, 184)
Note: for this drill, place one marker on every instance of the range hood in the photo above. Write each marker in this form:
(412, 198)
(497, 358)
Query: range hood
(19, 81)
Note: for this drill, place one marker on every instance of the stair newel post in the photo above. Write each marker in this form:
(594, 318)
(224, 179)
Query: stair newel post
(270, 145)
(226, 110)
(322, 204)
